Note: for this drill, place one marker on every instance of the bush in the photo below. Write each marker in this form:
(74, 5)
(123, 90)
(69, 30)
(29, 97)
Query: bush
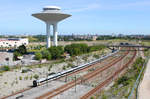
(123, 80)
(22, 49)
(56, 52)
(38, 56)
(26, 70)
(36, 76)
(76, 49)
(16, 54)
(46, 54)
(92, 98)
(5, 68)
(20, 78)
(137, 66)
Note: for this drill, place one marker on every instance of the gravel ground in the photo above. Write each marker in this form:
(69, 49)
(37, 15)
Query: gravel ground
(15, 80)
(3, 58)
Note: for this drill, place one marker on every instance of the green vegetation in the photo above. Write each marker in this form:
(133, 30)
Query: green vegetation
(77, 49)
(37, 38)
(124, 80)
(56, 52)
(95, 48)
(36, 76)
(31, 77)
(50, 53)
(124, 84)
(5, 82)
(16, 55)
(20, 78)
(26, 78)
(104, 96)
(73, 49)
(38, 56)
(46, 54)
(20, 51)
(92, 98)
(5, 68)
(25, 70)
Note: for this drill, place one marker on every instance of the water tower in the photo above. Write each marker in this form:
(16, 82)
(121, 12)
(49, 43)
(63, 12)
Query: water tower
(51, 15)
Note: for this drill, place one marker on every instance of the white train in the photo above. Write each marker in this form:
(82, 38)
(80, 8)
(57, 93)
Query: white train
(63, 73)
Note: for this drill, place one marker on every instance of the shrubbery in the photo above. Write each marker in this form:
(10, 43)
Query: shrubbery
(77, 49)
(50, 53)
(123, 80)
(56, 52)
(36, 76)
(137, 66)
(134, 71)
(38, 56)
(46, 54)
(20, 51)
(95, 48)
(5, 68)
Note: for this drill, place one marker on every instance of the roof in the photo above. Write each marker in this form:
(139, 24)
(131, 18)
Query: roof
(51, 14)
(52, 7)
(51, 17)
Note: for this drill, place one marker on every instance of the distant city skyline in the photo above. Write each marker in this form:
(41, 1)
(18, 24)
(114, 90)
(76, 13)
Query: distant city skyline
(88, 17)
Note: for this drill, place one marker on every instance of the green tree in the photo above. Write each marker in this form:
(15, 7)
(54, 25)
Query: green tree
(22, 49)
(76, 49)
(46, 54)
(38, 56)
(16, 54)
(56, 52)
(19, 52)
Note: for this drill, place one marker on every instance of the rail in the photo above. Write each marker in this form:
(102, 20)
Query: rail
(100, 86)
(136, 84)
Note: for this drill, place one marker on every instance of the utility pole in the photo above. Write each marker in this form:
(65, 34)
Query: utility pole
(75, 83)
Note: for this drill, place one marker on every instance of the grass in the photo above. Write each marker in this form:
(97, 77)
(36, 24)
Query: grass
(123, 85)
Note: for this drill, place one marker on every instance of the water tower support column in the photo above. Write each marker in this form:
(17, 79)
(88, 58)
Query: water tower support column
(55, 34)
(48, 35)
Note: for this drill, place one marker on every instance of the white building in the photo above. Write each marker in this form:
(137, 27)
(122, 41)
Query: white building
(13, 42)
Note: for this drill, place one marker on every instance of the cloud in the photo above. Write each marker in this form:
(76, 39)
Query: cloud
(86, 8)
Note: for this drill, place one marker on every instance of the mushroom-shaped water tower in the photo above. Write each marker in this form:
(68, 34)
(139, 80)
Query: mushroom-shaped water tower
(51, 15)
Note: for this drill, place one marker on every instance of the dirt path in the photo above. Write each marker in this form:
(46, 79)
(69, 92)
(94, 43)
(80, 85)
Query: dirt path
(144, 88)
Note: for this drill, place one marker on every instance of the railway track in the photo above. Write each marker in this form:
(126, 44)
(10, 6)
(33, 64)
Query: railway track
(86, 77)
(72, 73)
(69, 74)
(108, 80)
(96, 65)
